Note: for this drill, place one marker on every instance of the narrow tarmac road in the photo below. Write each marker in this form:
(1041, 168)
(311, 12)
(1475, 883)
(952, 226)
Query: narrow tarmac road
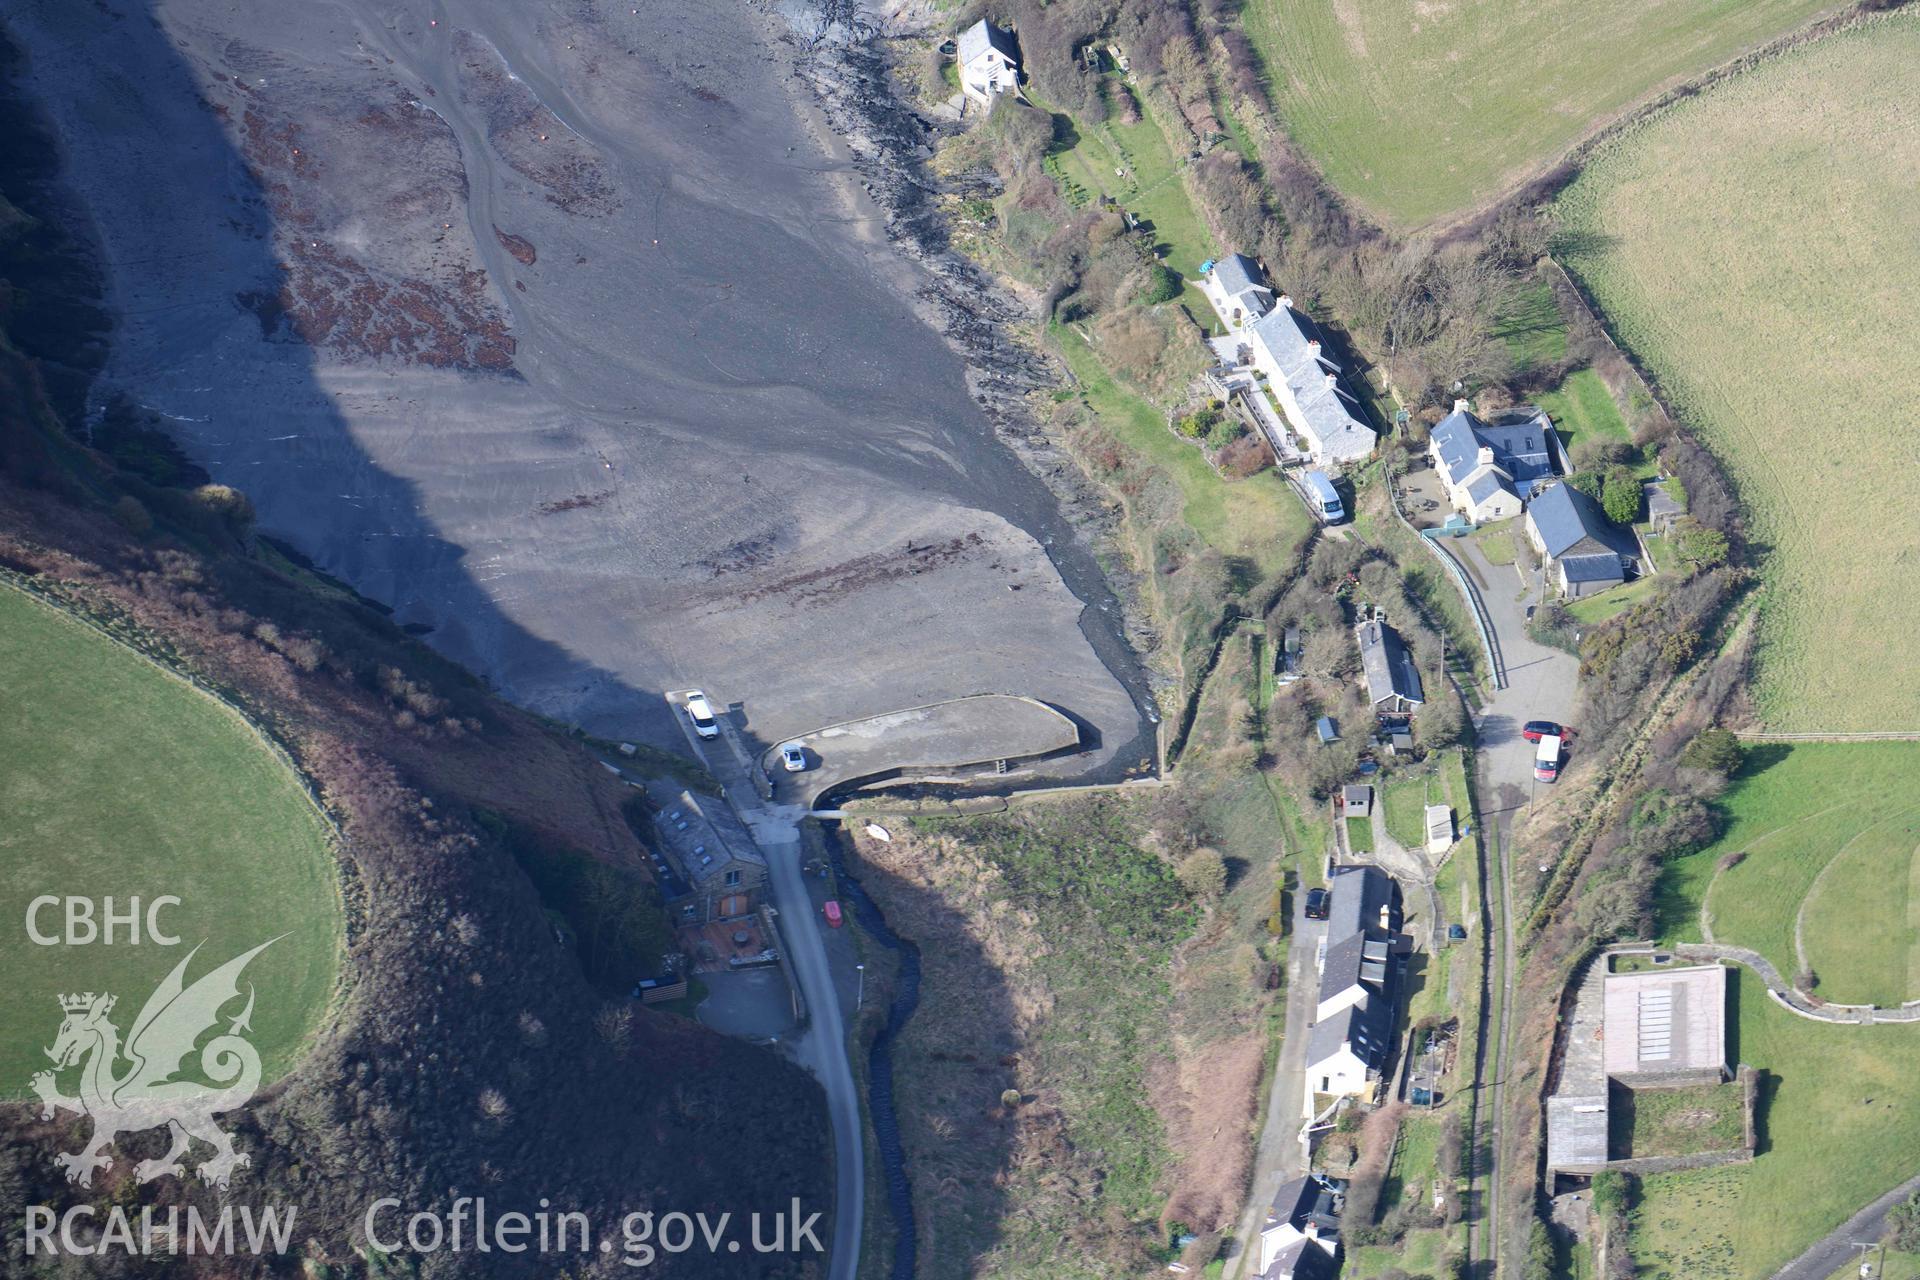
(1540, 686)
(1836, 1250)
(821, 1045)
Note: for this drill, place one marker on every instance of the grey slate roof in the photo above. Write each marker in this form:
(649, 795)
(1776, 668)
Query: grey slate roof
(1363, 897)
(1486, 486)
(1572, 523)
(1364, 958)
(1362, 917)
(1601, 567)
(706, 840)
(983, 35)
(1307, 1200)
(1518, 440)
(1237, 273)
(1313, 377)
(1341, 969)
(1367, 1031)
(1389, 667)
(1301, 1260)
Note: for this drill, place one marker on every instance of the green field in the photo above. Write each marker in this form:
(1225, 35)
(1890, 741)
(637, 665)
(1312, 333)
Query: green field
(119, 780)
(1420, 112)
(1839, 1121)
(1793, 813)
(1859, 920)
(1788, 352)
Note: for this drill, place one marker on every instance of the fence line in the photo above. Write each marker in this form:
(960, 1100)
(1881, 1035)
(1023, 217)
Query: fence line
(1890, 735)
(1481, 622)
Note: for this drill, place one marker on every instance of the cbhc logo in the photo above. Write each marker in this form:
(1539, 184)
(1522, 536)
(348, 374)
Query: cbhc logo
(84, 929)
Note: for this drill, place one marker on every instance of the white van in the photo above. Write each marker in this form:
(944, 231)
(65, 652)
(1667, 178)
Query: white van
(1546, 761)
(700, 711)
(1324, 498)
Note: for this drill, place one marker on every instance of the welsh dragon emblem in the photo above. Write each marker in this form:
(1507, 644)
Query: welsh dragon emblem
(146, 1094)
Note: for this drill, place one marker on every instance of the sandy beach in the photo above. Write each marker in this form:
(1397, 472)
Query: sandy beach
(556, 328)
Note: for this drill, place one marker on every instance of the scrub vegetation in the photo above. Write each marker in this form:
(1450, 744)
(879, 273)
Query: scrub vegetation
(1087, 1057)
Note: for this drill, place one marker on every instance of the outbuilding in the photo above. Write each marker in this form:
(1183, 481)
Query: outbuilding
(1584, 551)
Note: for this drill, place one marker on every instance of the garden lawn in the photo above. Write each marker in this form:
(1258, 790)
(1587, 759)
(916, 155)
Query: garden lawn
(122, 780)
(1424, 112)
(1583, 409)
(1595, 609)
(1405, 801)
(1789, 354)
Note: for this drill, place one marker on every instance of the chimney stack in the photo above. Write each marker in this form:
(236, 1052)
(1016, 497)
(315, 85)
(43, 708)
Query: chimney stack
(1459, 406)
(1486, 456)
(1286, 300)
(1332, 381)
(1313, 345)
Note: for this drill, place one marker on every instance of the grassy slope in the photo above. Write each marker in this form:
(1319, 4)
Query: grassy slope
(1788, 352)
(1258, 517)
(1860, 917)
(1419, 115)
(1792, 811)
(1150, 188)
(122, 780)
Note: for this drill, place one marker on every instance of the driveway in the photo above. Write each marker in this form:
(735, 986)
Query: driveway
(1540, 679)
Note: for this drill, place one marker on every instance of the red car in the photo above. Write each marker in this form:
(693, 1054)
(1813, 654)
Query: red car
(1538, 729)
(832, 912)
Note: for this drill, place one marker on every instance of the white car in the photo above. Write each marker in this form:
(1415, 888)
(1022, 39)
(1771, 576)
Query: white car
(700, 711)
(794, 756)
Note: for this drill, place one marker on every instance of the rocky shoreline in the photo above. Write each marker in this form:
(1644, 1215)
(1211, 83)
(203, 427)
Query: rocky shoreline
(849, 75)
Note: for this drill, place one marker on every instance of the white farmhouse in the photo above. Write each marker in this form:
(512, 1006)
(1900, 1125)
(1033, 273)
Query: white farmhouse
(1284, 347)
(1360, 971)
(1490, 469)
(989, 62)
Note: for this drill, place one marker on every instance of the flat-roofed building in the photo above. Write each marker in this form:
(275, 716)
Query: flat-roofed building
(1666, 1026)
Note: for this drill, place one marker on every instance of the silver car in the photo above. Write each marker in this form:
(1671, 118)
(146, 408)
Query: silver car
(794, 756)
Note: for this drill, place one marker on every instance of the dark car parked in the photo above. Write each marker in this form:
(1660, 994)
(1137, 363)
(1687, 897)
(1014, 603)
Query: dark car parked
(1317, 901)
(1538, 729)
